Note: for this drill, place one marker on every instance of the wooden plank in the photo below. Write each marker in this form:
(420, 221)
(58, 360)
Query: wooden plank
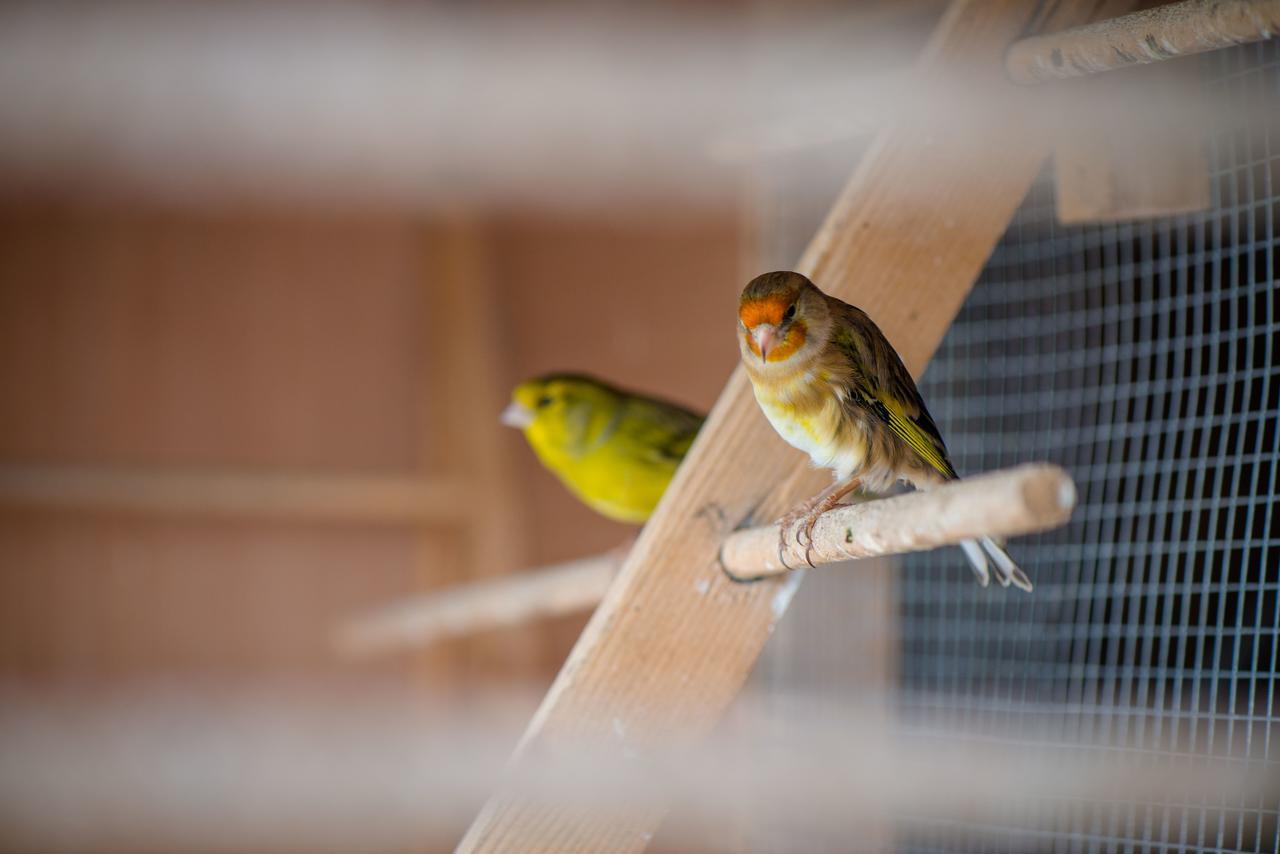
(463, 394)
(465, 390)
(670, 646)
(333, 498)
(1143, 153)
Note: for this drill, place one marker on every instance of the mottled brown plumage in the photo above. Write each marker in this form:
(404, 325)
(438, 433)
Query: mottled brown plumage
(832, 386)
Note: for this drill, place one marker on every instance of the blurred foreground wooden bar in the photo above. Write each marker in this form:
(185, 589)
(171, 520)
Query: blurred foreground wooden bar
(1152, 35)
(1007, 503)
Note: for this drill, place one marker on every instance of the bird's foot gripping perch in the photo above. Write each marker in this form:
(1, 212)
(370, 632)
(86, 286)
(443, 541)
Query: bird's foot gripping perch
(803, 518)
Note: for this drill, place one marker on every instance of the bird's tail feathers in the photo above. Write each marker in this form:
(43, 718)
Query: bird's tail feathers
(978, 560)
(1007, 571)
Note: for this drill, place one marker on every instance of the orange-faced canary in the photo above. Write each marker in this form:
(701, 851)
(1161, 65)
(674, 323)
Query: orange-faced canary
(614, 449)
(832, 386)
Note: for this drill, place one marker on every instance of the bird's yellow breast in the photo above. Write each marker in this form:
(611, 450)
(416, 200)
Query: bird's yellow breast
(806, 410)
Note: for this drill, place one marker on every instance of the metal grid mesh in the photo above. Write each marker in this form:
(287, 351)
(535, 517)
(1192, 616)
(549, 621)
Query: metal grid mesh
(1145, 358)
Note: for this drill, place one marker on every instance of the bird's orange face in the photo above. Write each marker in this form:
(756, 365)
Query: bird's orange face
(772, 325)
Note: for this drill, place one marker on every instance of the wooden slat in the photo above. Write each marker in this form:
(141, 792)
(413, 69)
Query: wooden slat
(462, 396)
(338, 498)
(465, 392)
(1143, 153)
(670, 646)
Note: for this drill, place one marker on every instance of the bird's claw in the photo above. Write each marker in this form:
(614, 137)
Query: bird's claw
(807, 529)
(797, 527)
(784, 529)
(788, 529)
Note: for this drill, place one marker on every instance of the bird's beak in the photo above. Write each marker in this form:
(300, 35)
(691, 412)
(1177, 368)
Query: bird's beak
(516, 415)
(766, 335)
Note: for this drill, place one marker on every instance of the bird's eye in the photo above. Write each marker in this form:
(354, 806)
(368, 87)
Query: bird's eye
(545, 400)
(789, 313)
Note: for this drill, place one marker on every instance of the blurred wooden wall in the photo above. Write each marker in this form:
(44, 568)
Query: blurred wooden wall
(370, 345)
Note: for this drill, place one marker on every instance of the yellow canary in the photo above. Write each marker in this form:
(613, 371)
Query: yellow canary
(832, 386)
(615, 450)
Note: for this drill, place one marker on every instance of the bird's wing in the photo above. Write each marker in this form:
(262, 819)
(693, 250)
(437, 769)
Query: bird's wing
(881, 385)
(658, 430)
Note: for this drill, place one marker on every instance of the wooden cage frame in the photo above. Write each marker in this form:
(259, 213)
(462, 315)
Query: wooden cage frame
(906, 240)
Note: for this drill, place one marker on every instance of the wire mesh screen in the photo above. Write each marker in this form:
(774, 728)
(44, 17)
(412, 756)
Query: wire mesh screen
(1144, 357)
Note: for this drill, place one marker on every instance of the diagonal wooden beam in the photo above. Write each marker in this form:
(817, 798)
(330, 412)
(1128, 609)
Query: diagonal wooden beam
(671, 644)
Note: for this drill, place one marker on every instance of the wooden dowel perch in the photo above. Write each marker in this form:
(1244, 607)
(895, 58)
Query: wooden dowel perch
(1152, 35)
(545, 592)
(1007, 503)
